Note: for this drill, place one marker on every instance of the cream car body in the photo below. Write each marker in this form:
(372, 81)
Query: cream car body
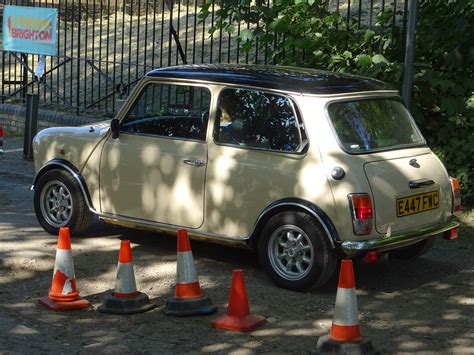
(231, 193)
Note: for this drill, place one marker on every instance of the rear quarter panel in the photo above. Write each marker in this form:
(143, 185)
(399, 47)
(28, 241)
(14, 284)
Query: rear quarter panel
(355, 180)
(242, 182)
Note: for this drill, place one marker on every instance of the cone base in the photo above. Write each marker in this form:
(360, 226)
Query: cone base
(240, 324)
(56, 306)
(182, 307)
(126, 305)
(328, 346)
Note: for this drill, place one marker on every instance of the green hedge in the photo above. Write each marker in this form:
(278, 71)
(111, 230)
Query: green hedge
(443, 99)
(304, 33)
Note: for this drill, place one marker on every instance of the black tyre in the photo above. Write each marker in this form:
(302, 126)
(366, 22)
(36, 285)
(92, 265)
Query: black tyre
(59, 202)
(414, 250)
(295, 252)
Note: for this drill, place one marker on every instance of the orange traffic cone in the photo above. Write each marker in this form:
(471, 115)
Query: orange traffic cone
(345, 336)
(238, 315)
(63, 295)
(189, 299)
(126, 299)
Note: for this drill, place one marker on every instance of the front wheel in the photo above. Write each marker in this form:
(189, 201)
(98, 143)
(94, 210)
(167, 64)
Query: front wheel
(59, 202)
(295, 252)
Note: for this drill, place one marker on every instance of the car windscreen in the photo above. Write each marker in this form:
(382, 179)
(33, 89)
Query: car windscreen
(373, 124)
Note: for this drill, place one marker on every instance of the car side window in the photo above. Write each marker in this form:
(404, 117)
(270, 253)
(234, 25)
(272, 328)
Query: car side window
(166, 110)
(257, 119)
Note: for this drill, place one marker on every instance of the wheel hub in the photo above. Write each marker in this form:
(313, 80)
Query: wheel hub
(291, 252)
(56, 203)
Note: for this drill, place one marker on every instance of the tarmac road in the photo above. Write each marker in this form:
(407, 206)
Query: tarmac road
(424, 305)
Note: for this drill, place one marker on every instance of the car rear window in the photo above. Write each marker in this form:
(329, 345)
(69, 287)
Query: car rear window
(373, 124)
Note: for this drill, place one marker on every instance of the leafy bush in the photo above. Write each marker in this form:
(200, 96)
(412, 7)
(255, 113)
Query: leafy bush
(443, 98)
(305, 33)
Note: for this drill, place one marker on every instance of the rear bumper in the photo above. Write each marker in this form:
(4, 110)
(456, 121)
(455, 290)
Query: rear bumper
(352, 247)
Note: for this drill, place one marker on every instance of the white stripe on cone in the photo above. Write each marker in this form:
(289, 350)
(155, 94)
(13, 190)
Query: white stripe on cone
(64, 263)
(346, 312)
(67, 288)
(186, 272)
(125, 282)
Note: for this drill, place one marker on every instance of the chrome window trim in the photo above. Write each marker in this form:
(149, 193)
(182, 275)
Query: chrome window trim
(124, 111)
(359, 97)
(148, 135)
(300, 125)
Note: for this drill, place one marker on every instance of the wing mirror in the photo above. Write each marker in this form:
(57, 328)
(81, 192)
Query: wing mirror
(115, 128)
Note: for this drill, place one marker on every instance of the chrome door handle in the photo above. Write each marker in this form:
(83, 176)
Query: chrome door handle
(194, 162)
(415, 184)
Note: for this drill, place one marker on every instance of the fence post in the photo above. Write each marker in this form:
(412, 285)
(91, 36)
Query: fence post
(409, 53)
(31, 124)
(25, 74)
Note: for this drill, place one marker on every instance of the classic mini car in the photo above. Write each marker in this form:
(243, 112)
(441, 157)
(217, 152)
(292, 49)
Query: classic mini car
(305, 166)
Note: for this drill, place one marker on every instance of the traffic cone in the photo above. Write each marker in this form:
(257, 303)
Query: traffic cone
(238, 315)
(126, 299)
(345, 336)
(63, 295)
(189, 299)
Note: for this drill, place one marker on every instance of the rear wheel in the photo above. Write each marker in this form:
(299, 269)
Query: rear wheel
(59, 202)
(295, 252)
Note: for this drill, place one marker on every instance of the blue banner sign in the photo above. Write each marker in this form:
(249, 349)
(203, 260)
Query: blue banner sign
(30, 29)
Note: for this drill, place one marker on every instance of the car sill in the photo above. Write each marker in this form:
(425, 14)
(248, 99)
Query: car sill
(155, 226)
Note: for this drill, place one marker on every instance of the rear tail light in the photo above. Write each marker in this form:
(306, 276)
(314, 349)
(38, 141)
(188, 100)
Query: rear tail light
(362, 214)
(456, 194)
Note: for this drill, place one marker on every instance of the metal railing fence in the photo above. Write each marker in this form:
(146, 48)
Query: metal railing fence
(105, 47)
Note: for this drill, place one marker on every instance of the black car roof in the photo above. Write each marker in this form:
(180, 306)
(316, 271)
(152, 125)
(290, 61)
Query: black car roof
(300, 80)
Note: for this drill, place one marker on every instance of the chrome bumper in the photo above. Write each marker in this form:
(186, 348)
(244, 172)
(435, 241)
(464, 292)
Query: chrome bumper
(351, 247)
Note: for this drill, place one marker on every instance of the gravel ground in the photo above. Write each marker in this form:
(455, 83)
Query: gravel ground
(425, 305)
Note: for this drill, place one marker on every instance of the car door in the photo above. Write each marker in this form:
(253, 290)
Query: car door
(155, 170)
(259, 148)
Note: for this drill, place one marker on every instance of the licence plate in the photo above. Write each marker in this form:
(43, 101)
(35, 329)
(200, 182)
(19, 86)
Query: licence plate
(417, 203)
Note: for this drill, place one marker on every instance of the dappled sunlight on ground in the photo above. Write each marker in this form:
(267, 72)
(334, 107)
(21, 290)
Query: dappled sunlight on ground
(422, 306)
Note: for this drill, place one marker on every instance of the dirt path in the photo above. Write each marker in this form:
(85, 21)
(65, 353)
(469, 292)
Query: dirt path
(425, 305)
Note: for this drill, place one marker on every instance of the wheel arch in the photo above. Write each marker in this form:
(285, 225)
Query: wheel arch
(65, 165)
(297, 205)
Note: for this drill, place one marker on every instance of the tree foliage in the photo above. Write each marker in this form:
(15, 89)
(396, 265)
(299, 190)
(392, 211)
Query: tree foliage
(443, 93)
(305, 33)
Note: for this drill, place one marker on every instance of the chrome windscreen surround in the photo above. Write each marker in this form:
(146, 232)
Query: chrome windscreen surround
(352, 247)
